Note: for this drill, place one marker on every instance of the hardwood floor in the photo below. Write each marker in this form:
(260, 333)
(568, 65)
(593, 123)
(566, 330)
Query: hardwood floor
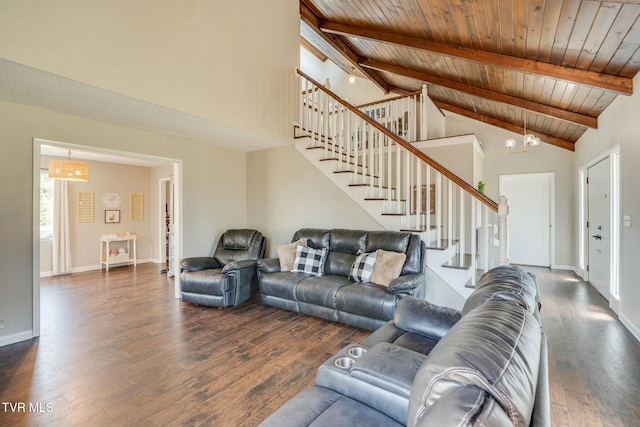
(594, 361)
(118, 349)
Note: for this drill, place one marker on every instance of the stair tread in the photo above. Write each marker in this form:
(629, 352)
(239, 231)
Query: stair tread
(357, 173)
(469, 284)
(444, 243)
(457, 264)
(418, 230)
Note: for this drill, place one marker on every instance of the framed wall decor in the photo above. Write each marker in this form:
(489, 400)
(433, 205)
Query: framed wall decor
(136, 206)
(111, 216)
(85, 206)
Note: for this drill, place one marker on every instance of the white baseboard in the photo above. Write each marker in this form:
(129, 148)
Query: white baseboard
(91, 268)
(630, 326)
(85, 268)
(564, 267)
(14, 338)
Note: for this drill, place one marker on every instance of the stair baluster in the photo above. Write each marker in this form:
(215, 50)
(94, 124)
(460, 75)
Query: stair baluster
(399, 179)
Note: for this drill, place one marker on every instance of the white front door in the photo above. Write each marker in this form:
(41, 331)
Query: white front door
(529, 220)
(599, 220)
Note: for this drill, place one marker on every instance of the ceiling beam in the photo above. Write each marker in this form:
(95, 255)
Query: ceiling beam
(547, 110)
(608, 82)
(311, 19)
(311, 48)
(552, 140)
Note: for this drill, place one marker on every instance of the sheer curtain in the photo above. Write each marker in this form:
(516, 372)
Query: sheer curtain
(61, 236)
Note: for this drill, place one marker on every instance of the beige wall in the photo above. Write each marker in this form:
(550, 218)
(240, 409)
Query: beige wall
(286, 192)
(499, 161)
(619, 126)
(208, 59)
(214, 187)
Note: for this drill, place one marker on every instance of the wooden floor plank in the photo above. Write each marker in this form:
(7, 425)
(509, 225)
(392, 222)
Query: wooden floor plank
(118, 349)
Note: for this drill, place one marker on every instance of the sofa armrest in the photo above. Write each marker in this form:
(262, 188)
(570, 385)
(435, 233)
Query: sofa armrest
(389, 367)
(405, 284)
(199, 263)
(421, 317)
(269, 265)
(237, 265)
(381, 378)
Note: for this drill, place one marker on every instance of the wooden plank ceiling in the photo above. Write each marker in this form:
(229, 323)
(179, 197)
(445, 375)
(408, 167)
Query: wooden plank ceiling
(552, 64)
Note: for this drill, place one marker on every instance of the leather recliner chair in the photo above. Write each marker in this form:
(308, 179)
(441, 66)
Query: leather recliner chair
(229, 277)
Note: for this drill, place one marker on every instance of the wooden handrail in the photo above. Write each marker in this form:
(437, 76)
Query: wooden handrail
(395, 98)
(428, 160)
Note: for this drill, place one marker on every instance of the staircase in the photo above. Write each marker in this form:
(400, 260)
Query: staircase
(397, 184)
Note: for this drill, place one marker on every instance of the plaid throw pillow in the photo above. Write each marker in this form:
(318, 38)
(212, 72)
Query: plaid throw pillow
(362, 267)
(309, 260)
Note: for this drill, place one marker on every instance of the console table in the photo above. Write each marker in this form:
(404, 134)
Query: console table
(107, 260)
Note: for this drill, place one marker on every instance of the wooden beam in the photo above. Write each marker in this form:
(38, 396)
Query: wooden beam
(311, 19)
(552, 140)
(311, 48)
(547, 110)
(608, 82)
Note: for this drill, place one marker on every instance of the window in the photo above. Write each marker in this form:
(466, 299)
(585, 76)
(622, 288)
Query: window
(46, 205)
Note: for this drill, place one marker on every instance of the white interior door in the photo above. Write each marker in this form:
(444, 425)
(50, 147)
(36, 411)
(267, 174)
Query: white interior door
(529, 220)
(599, 220)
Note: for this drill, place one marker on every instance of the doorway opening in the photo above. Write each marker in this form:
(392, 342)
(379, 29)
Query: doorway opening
(175, 165)
(166, 224)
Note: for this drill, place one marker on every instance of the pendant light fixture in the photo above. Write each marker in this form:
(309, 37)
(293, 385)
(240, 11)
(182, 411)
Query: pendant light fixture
(68, 169)
(529, 141)
(352, 76)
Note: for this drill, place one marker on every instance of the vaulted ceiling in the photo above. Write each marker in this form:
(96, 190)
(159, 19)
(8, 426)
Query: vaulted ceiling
(552, 65)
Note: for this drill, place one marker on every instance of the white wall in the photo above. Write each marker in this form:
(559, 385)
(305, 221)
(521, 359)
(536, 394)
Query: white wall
(547, 158)
(361, 92)
(286, 192)
(214, 192)
(211, 59)
(458, 158)
(618, 125)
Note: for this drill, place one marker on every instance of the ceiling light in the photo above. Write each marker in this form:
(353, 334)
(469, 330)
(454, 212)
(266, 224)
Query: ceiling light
(529, 141)
(352, 76)
(68, 170)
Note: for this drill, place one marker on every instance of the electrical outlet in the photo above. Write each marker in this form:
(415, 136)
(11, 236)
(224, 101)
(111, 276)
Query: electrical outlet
(1, 324)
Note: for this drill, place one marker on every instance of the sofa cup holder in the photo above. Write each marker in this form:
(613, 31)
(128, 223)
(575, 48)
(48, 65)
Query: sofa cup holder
(344, 362)
(356, 351)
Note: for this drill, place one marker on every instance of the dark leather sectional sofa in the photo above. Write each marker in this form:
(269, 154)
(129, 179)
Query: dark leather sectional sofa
(485, 365)
(334, 296)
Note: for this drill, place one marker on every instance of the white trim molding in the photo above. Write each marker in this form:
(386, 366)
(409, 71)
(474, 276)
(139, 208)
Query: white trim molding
(630, 326)
(14, 338)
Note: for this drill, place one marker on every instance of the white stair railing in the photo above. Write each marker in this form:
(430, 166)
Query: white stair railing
(405, 116)
(427, 197)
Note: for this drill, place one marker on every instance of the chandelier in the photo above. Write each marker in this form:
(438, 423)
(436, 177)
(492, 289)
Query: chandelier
(529, 141)
(68, 169)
